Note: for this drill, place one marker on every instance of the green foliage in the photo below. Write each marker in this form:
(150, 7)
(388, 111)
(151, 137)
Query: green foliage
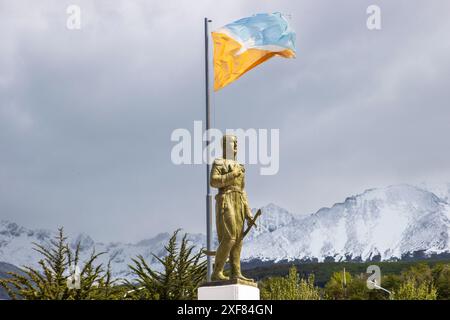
(357, 288)
(323, 271)
(420, 272)
(441, 277)
(337, 287)
(56, 270)
(417, 283)
(354, 288)
(183, 271)
(291, 287)
(411, 290)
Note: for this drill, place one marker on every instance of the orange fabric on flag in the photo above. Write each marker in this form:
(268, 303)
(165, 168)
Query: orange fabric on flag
(229, 64)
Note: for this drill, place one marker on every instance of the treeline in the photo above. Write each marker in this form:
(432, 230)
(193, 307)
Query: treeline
(323, 271)
(419, 282)
(62, 276)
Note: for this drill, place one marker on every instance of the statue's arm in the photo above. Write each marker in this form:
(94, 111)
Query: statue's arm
(219, 180)
(248, 211)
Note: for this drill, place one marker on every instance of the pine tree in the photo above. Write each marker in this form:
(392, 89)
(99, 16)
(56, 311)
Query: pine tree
(57, 273)
(183, 271)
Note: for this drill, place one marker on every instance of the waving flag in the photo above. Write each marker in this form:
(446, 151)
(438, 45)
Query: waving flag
(242, 45)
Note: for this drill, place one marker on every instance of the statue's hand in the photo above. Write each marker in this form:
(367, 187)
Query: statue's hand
(237, 172)
(249, 217)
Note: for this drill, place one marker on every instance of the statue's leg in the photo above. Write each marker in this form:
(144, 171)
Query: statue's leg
(225, 226)
(235, 257)
(222, 254)
(235, 254)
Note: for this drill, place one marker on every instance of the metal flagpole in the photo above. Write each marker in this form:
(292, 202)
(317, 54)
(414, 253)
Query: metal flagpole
(208, 166)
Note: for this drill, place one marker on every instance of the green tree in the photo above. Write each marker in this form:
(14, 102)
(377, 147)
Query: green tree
(357, 288)
(291, 287)
(416, 283)
(421, 272)
(337, 287)
(441, 277)
(411, 290)
(57, 268)
(183, 271)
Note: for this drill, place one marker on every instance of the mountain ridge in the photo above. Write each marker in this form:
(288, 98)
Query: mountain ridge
(380, 223)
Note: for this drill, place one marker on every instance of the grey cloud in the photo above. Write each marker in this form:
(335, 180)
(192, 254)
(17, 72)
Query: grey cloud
(86, 116)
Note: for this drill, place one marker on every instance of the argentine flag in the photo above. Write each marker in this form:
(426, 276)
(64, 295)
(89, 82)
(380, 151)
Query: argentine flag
(242, 45)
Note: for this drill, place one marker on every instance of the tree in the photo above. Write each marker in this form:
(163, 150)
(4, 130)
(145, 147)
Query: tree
(183, 271)
(420, 272)
(336, 289)
(441, 277)
(357, 288)
(411, 290)
(291, 287)
(57, 273)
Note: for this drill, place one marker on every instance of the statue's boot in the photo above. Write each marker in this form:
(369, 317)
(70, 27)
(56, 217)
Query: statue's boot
(235, 261)
(222, 254)
(219, 276)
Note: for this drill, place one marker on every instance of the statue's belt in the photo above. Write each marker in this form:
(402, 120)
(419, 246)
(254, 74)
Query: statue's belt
(229, 190)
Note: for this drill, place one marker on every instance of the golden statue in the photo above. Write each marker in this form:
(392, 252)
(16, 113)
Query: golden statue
(232, 210)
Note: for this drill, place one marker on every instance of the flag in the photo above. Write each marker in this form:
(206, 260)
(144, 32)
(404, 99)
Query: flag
(242, 45)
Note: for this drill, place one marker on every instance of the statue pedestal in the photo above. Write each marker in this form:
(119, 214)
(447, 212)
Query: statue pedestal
(229, 290)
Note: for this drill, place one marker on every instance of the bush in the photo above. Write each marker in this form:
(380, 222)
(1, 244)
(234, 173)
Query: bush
(291, 287)
(441, 277)
(411, 290)
(336, 288)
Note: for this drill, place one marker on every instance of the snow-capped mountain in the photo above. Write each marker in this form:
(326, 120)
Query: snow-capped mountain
(16, 247)
(442, 190)
(386, 223)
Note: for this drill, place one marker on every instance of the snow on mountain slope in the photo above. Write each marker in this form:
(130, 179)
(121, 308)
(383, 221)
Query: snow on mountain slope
(386, 223)
(441, 190)
(16, 247)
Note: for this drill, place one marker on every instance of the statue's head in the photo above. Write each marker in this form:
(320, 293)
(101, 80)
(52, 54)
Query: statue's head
(229, 146)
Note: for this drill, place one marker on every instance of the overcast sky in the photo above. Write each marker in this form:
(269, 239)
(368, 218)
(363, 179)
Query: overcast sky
(86, 115)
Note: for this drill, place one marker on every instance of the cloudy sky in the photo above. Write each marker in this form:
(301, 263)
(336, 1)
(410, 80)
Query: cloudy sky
(86, 115)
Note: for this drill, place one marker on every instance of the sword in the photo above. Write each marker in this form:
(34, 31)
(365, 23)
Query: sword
(252, 223)
(247, 230)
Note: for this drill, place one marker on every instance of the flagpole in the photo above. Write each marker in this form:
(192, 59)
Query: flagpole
(208, 166)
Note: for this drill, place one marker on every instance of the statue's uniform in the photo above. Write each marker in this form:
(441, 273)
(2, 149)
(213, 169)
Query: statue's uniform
(231, 210)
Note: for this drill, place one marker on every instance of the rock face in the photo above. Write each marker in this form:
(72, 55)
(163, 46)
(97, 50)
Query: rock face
(385, 223)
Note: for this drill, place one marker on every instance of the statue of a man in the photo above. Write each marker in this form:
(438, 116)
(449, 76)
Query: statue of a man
(232, 209)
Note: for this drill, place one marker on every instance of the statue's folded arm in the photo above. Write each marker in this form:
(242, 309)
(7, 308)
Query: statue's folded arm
(219, 180)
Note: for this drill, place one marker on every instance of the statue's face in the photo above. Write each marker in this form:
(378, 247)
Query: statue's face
(230, 147)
